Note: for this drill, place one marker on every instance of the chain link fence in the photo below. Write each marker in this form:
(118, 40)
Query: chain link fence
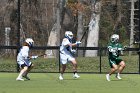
(20, 19)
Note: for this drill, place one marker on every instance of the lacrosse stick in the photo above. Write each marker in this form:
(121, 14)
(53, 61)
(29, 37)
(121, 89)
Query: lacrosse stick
(49, 52)
(76, 49)
(42, 55)
(84, 34)
(35, 57)
(126, 47)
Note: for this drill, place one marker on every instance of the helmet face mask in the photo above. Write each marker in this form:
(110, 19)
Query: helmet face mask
(29, 41)
(114, 38)
(69, 34)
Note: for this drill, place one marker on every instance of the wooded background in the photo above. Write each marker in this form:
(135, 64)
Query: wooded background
(47, 20)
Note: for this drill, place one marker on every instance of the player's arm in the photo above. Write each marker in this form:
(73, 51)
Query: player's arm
(121, 48)
(110, 49)
(77, 43)
(67, 43)
(25, 54)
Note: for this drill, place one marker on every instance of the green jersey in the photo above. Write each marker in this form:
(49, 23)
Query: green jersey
(114, 50)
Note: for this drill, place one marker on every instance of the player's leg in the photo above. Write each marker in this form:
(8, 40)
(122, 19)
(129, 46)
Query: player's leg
(25, 75)
(22, 71)
(120, 69)
(63, 60)
(63, 68)
(114, 67)
(122, 66)
(30, 68)
(74, 63)
(62, 71)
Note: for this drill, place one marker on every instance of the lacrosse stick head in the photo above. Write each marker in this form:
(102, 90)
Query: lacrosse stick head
(114, 38)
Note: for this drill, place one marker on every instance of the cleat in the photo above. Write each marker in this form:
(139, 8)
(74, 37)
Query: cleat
(19, 79)
(118, 77)
(76, 75)
(26, 77)
(107, 77)
(60, 77)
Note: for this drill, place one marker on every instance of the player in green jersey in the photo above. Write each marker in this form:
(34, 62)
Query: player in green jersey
(115, 49)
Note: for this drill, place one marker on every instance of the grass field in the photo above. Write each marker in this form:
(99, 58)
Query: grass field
(87, 83)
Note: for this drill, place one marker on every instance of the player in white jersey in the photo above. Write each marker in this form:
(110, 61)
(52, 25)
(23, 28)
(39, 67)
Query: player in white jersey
(23, 60)
(66, 54)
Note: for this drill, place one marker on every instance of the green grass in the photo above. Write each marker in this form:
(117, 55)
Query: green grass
(87, 83)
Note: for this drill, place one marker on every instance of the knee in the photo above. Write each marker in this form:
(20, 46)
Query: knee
(64, 65)
(115, 68)
(32, 65)
(123, 64)
(74, 62)
(25, 68)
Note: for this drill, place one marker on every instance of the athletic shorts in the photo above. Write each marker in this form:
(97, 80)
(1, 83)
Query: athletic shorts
(64, 58)
(24, 63)
(114, 61)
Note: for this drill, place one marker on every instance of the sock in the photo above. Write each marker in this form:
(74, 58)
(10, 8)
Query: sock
(75, 72)
(61, 74)
(118, 74)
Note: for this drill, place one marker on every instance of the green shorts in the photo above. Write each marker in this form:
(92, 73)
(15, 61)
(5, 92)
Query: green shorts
(114, 61)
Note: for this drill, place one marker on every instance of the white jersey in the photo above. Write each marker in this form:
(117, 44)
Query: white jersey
(65, 48)
(65, 51)
(23, 56)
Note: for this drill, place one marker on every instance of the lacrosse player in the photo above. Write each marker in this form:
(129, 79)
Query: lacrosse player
(23, 60)
(66, 54)
(115, 49)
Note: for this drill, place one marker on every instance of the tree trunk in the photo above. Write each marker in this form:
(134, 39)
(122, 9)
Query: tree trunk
(131, 26)
(93, 34)
(54, 38)
(80, 31)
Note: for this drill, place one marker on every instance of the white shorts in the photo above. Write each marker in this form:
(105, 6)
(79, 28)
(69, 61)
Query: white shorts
(26, 62)
(64, 58)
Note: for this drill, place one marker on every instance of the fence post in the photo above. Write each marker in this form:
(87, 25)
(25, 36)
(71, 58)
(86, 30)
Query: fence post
(18, 29)
(139, 36)
(59, 61)
(100, 60)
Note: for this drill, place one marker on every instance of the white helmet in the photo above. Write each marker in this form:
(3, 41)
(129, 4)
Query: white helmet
(69, 34)
(114, 38)
(29, 41)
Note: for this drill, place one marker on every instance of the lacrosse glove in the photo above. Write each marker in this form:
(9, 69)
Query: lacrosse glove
(34, 57)
(78, 43)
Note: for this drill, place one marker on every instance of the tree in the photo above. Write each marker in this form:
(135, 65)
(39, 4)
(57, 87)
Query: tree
(54, 37)
(93, 34)
(132, 25)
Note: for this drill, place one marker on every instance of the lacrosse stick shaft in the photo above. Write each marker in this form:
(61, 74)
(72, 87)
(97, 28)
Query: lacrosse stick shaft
(41, 55)
(81, 39)
(86, 30)
(83, 36)
(35, 57)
